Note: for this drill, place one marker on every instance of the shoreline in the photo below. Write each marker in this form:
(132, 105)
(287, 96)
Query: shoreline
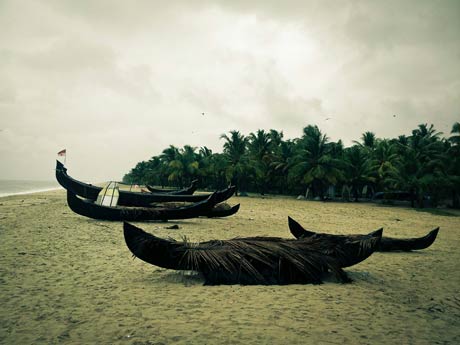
(41, 190)
(69, 279)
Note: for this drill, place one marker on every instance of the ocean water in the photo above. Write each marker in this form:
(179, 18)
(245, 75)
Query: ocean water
(13, 187)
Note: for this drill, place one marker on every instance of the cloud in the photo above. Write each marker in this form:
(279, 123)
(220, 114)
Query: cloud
(116, 82)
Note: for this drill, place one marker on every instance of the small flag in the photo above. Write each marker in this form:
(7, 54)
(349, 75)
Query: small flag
(62, 152)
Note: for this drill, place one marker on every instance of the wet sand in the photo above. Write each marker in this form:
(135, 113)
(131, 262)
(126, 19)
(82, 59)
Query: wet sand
(67, 279)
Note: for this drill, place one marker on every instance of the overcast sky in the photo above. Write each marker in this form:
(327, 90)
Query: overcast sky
(116, 82)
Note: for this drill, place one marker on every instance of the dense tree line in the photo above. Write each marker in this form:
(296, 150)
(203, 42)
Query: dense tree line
(423, 163)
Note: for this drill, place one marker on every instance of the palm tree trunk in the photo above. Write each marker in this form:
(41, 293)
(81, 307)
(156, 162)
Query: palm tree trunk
(355, 192)
(412, 198)
(455, 199)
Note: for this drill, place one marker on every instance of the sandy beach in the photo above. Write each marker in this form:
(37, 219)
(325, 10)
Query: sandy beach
(67, 279)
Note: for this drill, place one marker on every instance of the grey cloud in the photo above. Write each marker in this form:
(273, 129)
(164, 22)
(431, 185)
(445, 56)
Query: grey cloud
(386, 24)
(70, 55)
(116, 82)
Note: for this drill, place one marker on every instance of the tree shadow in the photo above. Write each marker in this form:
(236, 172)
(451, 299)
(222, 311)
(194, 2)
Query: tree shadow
(440, 211)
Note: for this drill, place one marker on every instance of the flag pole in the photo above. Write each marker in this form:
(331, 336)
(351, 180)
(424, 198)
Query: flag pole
(63, 153)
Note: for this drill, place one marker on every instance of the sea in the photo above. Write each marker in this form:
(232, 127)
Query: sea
(14, 187)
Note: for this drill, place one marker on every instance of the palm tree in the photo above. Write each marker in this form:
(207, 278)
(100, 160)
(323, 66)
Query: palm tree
(357, 170)
(190, 162)
(384, 163)
(368, 140)
(313, 162)
(423, 131)
(205, 166)
(235, 147)
(219, 167)
(276, 138)
(454, 139)
(410, 172)
(259, 146)
(153, 174)
(430, 153)
(421, 165)
(137, 174)
(168, 156)
(281, 163)
(453, 165)
(182, 164)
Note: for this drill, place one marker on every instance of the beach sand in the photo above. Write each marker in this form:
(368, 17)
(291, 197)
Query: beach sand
(67, 279)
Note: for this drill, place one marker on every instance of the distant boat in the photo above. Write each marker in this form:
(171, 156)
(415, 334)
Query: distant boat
(395, 195)
(184, 191)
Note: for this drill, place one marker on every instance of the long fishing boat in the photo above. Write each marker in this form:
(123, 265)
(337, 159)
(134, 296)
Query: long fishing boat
(253, 260)
(91, 209)
(387, 244)
(128, 198)
(184, 191)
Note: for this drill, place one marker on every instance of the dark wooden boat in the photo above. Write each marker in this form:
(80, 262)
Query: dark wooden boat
(203, 208)
(185, 191)
(395, 195)
(88, 191)
(253, 260)
(387, 244)
(220, 212)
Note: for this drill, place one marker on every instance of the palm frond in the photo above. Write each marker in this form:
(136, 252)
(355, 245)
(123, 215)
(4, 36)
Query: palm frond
(253, 260)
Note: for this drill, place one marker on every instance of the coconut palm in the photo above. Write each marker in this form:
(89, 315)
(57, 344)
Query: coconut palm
(137, 174)
(421, 164)
(313, 165)
(357, 169)
(384, 164)
(259, 150)
(169, 154)
(281, 163)
(212, 169)
(152, 175)
(183, 168)
(368, 140)
(235, 149)
(453, 165)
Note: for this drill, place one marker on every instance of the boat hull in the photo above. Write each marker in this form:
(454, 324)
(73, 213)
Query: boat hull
(126, 198)
(252, 260)
(185, 191)
(92, 210)
(387, 244)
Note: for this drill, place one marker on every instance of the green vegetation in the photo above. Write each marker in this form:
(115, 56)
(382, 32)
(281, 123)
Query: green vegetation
(424, 163)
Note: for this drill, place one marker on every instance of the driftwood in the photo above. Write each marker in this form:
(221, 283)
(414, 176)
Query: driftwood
(387, 244)
(253, 260)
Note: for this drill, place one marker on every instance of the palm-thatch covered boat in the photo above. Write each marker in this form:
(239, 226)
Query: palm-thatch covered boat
(387, 244)
(88, 191)
(253, 260)
(205, 208)
(221, 211)
(184, 191)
